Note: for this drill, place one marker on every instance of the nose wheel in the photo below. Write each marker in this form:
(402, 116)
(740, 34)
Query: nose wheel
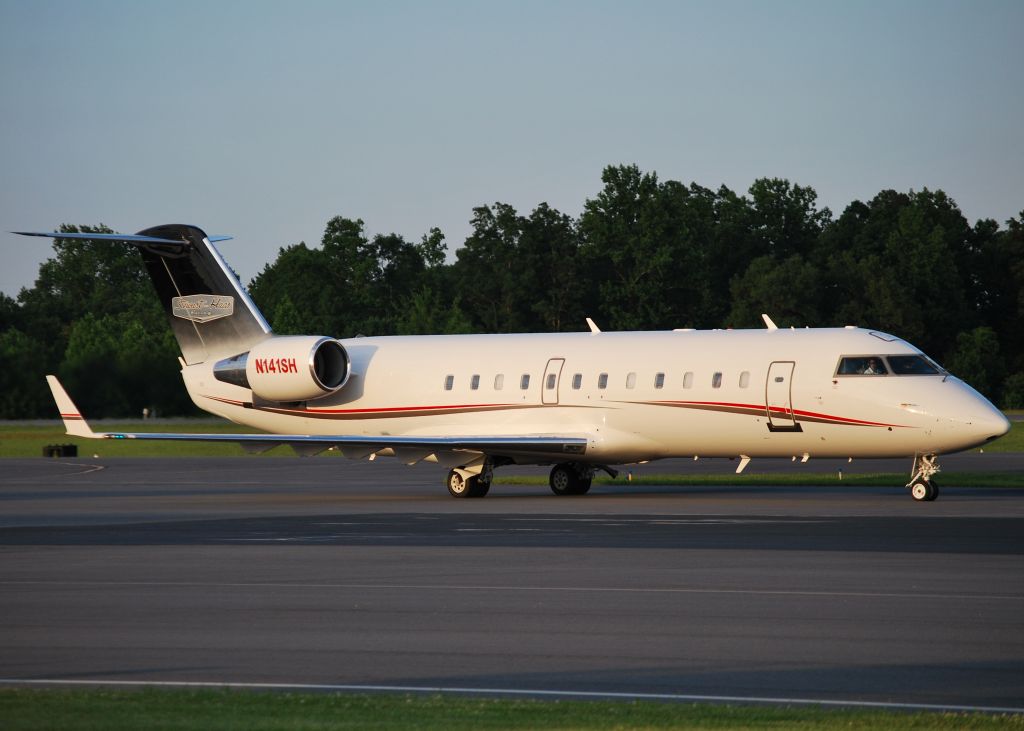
(923, 487)
(924, 491)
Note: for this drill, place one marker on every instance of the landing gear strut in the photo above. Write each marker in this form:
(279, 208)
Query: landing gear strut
(571, 478)
(923, 487)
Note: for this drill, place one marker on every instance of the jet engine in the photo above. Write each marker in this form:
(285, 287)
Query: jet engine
(288, 368)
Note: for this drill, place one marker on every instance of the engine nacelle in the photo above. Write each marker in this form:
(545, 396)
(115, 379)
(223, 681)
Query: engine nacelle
(289, 368)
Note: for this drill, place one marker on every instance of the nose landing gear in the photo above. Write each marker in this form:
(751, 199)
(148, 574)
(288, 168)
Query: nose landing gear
(923, 487)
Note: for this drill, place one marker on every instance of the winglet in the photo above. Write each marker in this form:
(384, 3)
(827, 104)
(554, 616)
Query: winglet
(768, 322)
(74, 422)
(593, 326)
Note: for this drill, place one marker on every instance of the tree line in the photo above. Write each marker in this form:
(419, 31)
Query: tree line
(643, 254)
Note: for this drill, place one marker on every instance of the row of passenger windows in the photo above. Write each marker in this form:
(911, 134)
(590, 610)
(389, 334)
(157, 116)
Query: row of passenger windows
(602, 381)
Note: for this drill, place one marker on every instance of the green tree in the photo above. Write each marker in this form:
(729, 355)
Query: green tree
(494, 288)
(787, 291)
(785, 219)
(647, 247)
(94, 312)
(426, 312)
(891, 264)
(287, 320)
(301, 277)
(352, 285)
(23, 392)
(976, 359)
(1013, 391)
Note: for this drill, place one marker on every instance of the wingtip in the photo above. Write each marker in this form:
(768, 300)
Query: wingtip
(74, 423)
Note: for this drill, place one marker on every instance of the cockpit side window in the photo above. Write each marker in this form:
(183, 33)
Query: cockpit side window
(862, 365)
(913, 365)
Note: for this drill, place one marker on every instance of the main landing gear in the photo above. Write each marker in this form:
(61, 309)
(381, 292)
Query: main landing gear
(923, 487)
(567, 478)
(571, 479)
(462, 483)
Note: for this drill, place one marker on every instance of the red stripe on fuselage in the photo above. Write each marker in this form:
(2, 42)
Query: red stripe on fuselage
(720, 406)
(780, 410)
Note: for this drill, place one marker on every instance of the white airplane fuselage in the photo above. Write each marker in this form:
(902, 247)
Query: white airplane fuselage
(720, 393)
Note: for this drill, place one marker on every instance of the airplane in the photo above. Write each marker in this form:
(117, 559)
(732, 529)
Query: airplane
(579, 402)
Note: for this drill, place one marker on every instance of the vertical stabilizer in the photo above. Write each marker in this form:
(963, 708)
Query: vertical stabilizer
(210, 312)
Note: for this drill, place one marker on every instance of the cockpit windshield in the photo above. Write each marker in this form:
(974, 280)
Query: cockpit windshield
(889, 365)
(912, 365)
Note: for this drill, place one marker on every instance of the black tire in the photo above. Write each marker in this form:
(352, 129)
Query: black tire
(934, 493)
(564, 480)
(478, 488)
(583, 487)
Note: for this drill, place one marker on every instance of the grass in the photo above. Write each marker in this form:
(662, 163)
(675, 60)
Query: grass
(788, 479)
(17, 440)
(167, 710)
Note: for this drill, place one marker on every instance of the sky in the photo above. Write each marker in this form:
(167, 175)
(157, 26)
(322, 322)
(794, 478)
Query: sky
(263, 120)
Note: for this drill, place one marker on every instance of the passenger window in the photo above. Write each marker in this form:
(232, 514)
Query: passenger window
(862, 365)
(744, 379)
(524, 381)
(631, 380)
(602, 380)
(449, 381)
(659, 380)
(499, 381)
(577, 381)
(688, 379)
(549, 383)
(716, 380)
(474, 382)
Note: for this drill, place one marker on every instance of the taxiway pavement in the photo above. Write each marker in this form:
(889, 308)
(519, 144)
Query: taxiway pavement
(325, 571)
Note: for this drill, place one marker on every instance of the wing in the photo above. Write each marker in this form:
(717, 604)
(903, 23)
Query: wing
(449, 450)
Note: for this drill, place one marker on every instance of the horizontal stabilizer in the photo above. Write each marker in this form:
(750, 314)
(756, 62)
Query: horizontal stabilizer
(126, 238)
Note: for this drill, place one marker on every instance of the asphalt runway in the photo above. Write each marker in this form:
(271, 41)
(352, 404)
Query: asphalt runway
(326, 572)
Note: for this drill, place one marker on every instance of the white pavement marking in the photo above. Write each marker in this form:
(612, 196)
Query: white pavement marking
(686, 697)
(495, 587)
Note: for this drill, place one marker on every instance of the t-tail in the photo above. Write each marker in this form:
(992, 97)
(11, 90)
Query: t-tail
(219, 327)
(210, 312)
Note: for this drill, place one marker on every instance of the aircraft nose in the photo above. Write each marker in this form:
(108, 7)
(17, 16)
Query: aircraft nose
(987, 422)
(999, 424)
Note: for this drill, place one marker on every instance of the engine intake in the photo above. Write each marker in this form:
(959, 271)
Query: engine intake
(289, 368)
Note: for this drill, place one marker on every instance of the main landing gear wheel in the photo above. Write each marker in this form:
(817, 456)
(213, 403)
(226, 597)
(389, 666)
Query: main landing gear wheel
(460, 485)
(567, 479)
(924, 491)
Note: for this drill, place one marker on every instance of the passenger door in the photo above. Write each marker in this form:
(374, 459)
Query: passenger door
(778, 397)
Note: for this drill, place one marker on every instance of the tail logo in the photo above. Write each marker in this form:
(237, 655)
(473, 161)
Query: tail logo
(202, 307)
